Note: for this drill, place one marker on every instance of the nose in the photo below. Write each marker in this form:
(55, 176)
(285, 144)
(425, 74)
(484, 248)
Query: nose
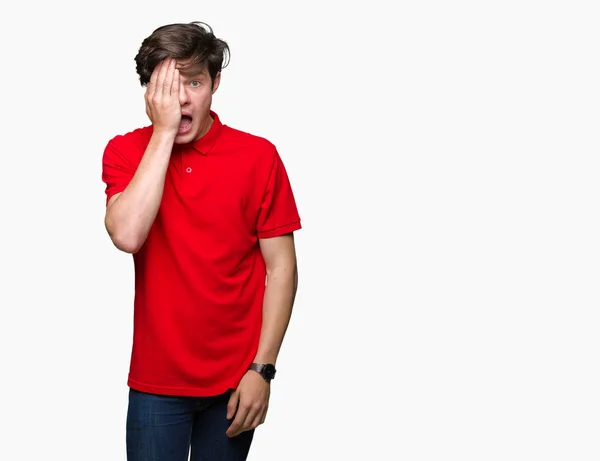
(183, 95)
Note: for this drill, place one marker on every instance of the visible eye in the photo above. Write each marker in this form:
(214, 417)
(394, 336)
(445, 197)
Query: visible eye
(195, 83)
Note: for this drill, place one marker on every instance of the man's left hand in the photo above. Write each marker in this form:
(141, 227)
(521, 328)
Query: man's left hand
(248, 403)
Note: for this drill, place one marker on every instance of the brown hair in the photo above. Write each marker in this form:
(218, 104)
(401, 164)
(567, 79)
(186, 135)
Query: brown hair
(193, 42)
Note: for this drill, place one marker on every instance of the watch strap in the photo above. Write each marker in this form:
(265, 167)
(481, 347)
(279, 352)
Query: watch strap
(266, 370)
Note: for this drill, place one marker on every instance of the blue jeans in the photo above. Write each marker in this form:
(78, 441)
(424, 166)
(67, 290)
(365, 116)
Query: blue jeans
(165, 428)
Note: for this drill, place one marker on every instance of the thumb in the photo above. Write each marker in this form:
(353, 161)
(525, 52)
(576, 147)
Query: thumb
(232, 404)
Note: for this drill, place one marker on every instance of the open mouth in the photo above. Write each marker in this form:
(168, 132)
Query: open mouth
(185, 124)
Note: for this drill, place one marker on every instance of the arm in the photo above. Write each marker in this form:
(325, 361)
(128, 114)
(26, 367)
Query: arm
(250, 401)
(282, 282)
(130, 214)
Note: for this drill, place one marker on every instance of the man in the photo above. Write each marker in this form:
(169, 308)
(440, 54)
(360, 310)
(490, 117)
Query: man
(208, 213)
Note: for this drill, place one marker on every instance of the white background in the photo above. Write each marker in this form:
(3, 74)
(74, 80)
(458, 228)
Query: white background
(444, 157)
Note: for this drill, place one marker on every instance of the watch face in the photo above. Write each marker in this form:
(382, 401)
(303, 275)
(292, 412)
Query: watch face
(269, 371)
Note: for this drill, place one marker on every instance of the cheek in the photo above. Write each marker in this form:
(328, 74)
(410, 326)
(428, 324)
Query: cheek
(205, 100)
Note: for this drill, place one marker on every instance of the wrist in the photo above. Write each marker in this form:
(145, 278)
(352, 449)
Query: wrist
(163, 136)
(266, 370)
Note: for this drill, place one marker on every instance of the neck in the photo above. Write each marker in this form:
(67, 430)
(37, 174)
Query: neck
(207, 125)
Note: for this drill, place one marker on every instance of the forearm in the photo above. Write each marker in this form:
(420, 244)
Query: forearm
(280, 293)
(130, 216)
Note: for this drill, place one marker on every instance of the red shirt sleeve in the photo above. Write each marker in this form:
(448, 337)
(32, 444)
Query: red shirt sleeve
(117, 168)
(278, 213)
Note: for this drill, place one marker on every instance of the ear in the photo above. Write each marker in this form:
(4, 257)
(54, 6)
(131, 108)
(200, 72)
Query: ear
(216, 82)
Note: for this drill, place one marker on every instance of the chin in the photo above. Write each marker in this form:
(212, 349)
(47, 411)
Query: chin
(186, 138)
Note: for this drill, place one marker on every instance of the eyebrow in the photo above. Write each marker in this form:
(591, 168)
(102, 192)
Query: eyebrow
(194, 75)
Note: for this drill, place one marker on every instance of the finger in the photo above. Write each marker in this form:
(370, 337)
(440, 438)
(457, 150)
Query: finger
(232, 404)
(257, 420)
(152, 83)
(244, 426)
(264, 415)
(237, 424)
(168, 83)
(162, 74)
(254, 415)
(176, 82)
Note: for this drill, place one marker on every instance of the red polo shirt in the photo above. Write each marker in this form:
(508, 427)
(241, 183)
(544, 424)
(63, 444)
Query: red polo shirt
(200, 275)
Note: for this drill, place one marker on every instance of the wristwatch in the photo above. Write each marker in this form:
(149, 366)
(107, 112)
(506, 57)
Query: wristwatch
(266, 370)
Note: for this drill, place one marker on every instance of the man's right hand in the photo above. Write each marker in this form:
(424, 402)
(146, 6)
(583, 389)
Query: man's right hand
(162, 98)
(129, 217)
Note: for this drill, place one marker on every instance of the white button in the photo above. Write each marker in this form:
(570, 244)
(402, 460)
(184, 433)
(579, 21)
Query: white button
(188, 169)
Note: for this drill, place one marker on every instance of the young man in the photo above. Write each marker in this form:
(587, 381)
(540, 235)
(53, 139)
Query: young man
(208, 213)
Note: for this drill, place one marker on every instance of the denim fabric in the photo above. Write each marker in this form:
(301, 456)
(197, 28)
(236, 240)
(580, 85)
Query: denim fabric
(165, 428)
